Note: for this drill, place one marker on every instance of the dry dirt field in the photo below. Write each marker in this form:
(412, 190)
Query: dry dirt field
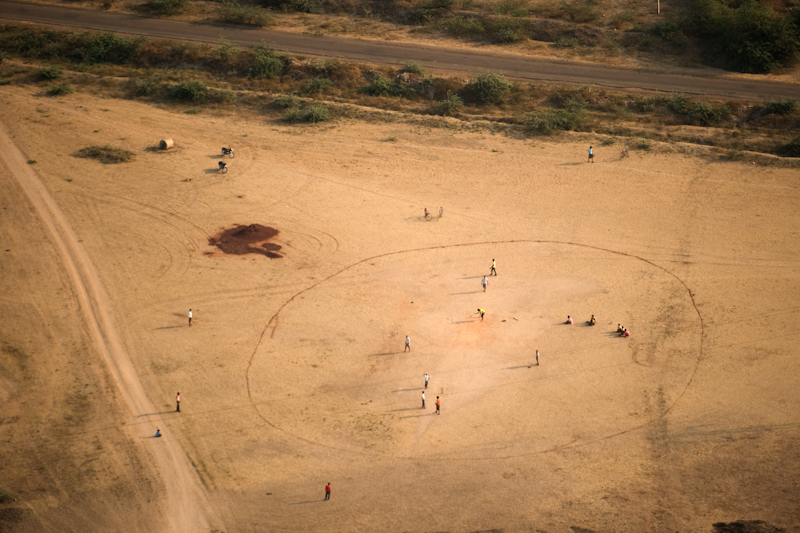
(293, 374)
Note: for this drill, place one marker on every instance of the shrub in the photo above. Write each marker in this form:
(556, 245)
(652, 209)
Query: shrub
(50, 73)
(293, 115)
(548, 121)
(782, 106)
(566, 42)
(379, 86)
(746, 36)
(288, 6)
(450, 105)
(791, 149)
(105, 154)
(506, 36)
(678, 102)
(287, 101)
(462, 26)
(189, 91)
(644, 104)
(94, 48)
(316, 113)
(230, 11)
(313, 114)
(265, 64)
(580, 11)
(166, 7)
(60, 90)
(142, 87)
(704, 113)
(315, 85)
(414, 68)
(490, 88)
(6, 496)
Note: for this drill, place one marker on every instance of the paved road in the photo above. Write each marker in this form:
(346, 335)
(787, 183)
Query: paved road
(432, 57)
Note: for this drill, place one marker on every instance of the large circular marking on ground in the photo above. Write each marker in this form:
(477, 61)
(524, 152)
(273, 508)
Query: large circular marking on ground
(330, 367)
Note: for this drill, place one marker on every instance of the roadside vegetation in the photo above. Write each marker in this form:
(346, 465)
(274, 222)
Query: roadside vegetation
(754, 36)
(262, 81)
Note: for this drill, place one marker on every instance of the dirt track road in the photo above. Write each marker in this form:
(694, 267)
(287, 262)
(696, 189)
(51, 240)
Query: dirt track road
(184, 505)
(528, 68)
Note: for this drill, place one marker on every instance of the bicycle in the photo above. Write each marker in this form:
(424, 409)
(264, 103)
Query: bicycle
(427, 214)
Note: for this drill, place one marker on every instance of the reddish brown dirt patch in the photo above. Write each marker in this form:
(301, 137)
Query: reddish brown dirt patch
(252, 239)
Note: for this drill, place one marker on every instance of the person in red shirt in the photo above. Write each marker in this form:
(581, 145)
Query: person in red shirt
(625, 334)
(327, 492)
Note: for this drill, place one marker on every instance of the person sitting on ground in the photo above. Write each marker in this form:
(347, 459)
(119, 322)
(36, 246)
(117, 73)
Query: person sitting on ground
(625, 333)
(592, 321)
(158, 432)
(620, 329)
(569, 320)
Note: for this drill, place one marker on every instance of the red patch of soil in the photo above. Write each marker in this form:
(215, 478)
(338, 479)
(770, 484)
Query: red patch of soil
(252, 239)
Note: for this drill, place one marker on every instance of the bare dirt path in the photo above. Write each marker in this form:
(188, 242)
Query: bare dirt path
(184, 505)
(521, 67)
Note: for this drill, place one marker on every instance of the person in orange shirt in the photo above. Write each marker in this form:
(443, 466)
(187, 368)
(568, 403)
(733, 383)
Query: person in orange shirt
(438, 404)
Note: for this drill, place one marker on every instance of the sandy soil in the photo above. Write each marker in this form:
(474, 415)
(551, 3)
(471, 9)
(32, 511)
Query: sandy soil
(293, 373)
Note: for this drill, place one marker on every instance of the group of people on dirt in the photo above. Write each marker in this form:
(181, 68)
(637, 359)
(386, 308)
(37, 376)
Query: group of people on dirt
(621, 331)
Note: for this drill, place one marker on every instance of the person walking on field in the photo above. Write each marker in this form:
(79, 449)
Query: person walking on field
(423, 399)
(591, 156)
(537, 357)
(493, 272)
(481, 312)
(408, 344)
(426, 380)
(484, 282)
(327, 492)
(178, 402)
(438, 405)
(190, 318)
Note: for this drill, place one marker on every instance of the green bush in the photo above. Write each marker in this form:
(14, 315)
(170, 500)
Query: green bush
(379, 86)
(566, 42)
(287, 101)
(265, 64)
(315, 85)
(548, 121)
(465, 27)
(316, 113)
(782, 106)
(678, 102)
(746, 36)
(450, 105)
(414, 68)
(6, 496)
(60, 90)
(142, 87)
(50, 72)
(293, 115)
(507, 36)
(189, 91)
(233, 13)
(91, 48)
(704, 113)
(166, 7)
(490, 88)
